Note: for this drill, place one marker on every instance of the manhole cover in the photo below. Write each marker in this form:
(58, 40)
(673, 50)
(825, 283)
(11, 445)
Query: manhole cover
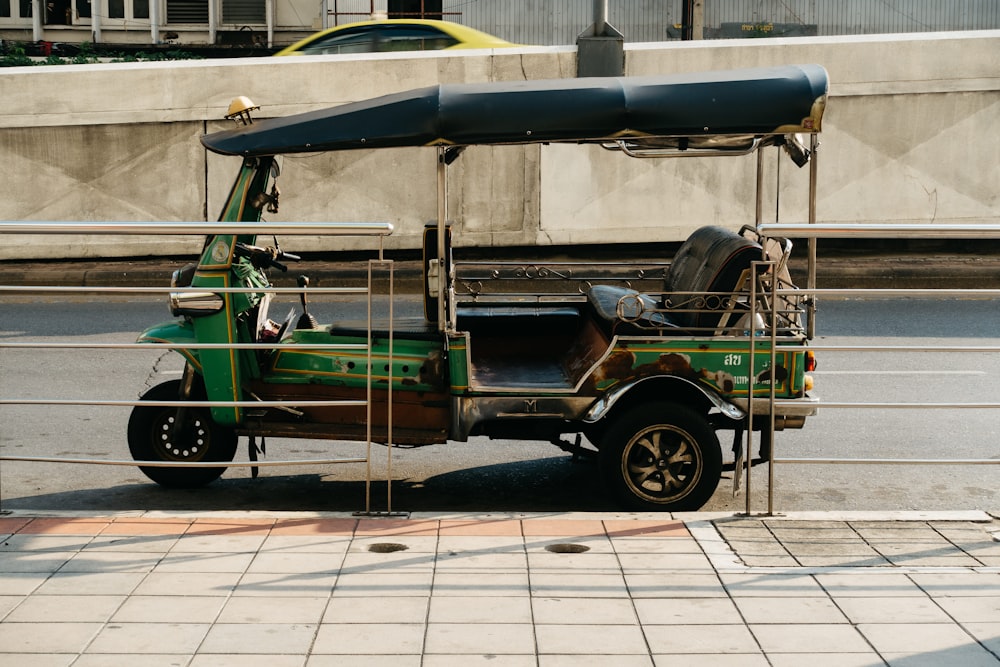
(387, 547)
(567, 548)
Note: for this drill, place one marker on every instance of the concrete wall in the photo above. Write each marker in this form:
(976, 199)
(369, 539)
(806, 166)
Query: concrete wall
(909, 136)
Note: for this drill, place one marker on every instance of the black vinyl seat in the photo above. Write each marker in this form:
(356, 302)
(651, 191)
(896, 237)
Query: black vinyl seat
(712, 260)
(640, 313)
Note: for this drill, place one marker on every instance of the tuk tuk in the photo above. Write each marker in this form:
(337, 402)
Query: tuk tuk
(649, 377)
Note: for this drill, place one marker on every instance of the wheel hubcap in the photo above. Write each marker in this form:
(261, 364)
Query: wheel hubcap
(185, 442)
(661, 464)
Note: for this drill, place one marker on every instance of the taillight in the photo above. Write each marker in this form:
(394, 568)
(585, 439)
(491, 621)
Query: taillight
(810, 361)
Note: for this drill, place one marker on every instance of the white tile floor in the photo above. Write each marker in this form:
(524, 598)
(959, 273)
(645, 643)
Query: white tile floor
(315, 600)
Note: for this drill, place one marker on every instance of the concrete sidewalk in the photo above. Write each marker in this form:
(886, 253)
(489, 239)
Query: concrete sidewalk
(308, 590)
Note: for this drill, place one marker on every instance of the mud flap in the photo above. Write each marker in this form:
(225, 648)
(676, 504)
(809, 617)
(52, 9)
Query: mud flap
(254, 450)
(739, 458)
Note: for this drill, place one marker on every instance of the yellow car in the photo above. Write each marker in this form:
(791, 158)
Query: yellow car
(394, 35)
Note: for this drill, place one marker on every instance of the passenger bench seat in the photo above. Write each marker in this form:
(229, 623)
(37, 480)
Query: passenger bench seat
(712, 259)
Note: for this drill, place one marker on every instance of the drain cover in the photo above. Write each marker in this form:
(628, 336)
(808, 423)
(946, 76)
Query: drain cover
(567, 548)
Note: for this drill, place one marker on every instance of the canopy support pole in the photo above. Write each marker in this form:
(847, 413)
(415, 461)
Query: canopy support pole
(811, 279)
(442, 221)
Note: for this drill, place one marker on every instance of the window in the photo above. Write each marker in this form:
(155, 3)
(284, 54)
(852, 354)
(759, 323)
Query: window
(369, 39)
(21, 7)
(127, 10)
(243, 12)
(187, 11)
(414, 38)
(358, 40)
(415, 9)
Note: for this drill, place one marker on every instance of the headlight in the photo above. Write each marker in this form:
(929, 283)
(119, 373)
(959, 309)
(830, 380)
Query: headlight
(194, 304)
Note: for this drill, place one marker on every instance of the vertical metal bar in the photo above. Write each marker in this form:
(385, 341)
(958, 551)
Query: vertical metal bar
(388, 425)
(600, 17)
(771, 394)
(442, 215)
(811, 279)
(777, 185)
(759, 212)
(748, 452)
(368, 403)
(758, 218)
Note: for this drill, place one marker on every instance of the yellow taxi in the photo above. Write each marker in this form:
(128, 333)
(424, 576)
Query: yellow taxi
(394, 35)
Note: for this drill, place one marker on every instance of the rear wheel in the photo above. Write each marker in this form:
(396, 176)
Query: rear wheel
(663, 457)
(154, 434)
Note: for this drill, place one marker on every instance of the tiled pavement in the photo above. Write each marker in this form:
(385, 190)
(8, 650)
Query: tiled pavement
(306, 590)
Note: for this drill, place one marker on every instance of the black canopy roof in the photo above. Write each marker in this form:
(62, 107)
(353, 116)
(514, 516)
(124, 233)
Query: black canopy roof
(755, 102)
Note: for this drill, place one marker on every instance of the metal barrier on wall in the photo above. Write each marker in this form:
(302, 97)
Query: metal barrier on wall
(378, 230)
(772, 230)
(877, 231)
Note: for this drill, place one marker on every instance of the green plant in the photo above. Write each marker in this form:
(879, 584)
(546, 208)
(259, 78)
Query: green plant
(16, 57)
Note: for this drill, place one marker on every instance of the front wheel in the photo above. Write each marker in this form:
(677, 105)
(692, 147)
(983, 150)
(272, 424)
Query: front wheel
(661, 457)
(154, 434)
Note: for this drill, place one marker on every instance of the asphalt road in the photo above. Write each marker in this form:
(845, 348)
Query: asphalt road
(509, 476)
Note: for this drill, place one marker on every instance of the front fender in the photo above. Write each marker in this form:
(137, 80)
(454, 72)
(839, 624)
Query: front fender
(603, 406)
(178, 332)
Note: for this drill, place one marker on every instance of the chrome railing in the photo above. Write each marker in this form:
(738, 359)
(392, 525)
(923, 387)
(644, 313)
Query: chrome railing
(877, 231)
(376, 230)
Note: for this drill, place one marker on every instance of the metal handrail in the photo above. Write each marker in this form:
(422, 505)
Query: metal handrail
(814, 231)
(198, 228)
(879, 230)
(116, 289)
(186, 346)
(184, 464)
(379, 230)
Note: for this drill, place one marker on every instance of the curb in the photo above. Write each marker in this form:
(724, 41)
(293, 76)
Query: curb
(838, 272)
(889, 516)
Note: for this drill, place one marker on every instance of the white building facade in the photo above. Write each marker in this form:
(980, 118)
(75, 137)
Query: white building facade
(273, 23)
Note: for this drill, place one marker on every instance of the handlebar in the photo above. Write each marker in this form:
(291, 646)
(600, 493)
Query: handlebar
(263, 258)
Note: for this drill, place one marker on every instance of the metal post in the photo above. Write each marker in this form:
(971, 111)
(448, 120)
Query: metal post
(751, 356)
(759, 213)
(772, 393)
(600, 18)
(368, 403)
(442, 221)
(811, 279)
(600, 49)
(687, 9)
(388, 424)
